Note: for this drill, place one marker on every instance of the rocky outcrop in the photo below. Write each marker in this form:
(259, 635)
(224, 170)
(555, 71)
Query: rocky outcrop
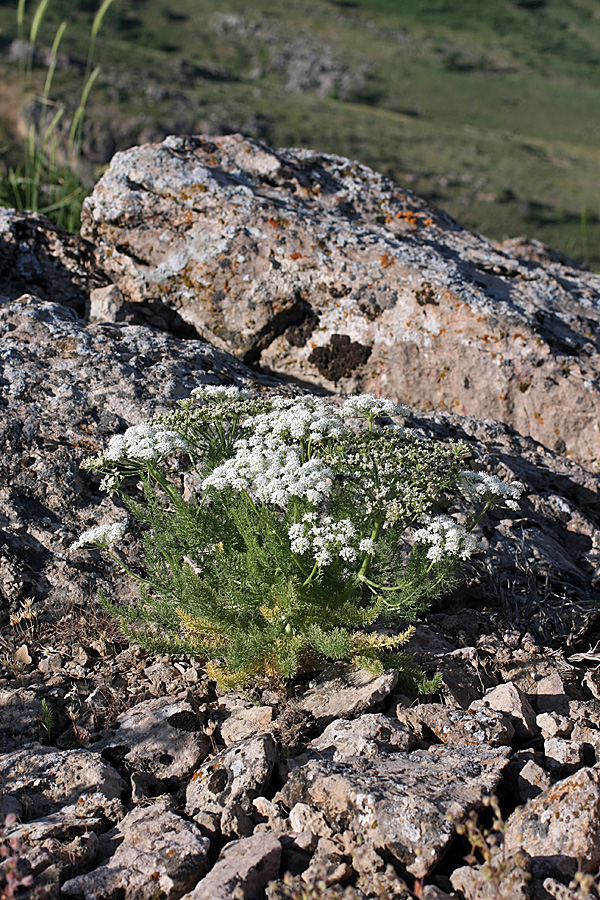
(322, 270)
(130, 776)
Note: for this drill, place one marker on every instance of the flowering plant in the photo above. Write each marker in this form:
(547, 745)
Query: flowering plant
(285, 531)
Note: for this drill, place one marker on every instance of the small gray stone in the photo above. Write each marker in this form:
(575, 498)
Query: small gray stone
(368, 736)
(550, 696)
(532, 780)
(244, 722)
(161, 853)
(20, 718)
(304, 818)
(236, 775)
(344, 690)
(563, 757)
(241, 871)
(552, 725)
(499, 880)
(162, 736)
(480, 725)
(511, 699)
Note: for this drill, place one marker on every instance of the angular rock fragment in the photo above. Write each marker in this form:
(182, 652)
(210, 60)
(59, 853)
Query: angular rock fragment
(343, 690)
(562, 757)
(245, 721)
(550, 696)
(164, 737)
(234, 777)
(20, 713)
(368, 736)
(46, 780)
(560, 829)
(161, 854)
(433, 722)
(510, 699)
(400, 801)
(241, 871)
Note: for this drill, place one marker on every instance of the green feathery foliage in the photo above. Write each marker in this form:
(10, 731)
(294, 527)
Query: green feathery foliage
(282, 533)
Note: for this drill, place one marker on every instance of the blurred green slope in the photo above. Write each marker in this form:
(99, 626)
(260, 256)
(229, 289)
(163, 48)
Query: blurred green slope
(490, 109)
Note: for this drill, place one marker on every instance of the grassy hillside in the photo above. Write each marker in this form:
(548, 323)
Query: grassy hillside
(492, 110)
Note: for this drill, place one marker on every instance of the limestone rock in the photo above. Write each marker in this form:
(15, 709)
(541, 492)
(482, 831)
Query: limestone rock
(20, 718)
(47, 780)
(550, 696)
(160, 854)
(497, 880)
(553, 725)
(324, 270)
(560, 828)
(245, 721)
(431, 721)
(400, 801)
(343, 690)
(367, 736)
(162, 736)
(241, 871)
(235, 776)
(562, 757)
(510, 699)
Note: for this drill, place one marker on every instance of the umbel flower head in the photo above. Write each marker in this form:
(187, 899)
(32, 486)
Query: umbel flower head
(100, 536)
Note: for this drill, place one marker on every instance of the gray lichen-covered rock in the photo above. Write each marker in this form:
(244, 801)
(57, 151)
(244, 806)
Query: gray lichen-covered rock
(231, 780)
(38, 257)
(343, 690)
(20, 718)
(162, 736)
(161, 854)
(367, 736)
(403, 802)
(433, 722)
(45, 780)
(560, 828)
(510, 699)
(241, 871)
(324, 270)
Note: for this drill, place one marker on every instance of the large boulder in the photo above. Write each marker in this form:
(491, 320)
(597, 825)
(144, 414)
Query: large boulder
(322, 270)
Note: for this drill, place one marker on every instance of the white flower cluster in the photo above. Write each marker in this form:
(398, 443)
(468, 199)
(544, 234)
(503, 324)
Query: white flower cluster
(481, 486)
(100, 534)
(324, 538)
(366, 406)
(221, 392)
(445, 538)
(299, 418)
(145, 442)
(273, 473)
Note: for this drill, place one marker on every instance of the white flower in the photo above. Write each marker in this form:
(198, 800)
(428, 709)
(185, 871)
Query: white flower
(221, 392)
(103, 535)
(273, 473)
(305, 418)
(324, 538)
(445, 538)
(484, 487)
(366, 406)
(367, 545)
(144, 442)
